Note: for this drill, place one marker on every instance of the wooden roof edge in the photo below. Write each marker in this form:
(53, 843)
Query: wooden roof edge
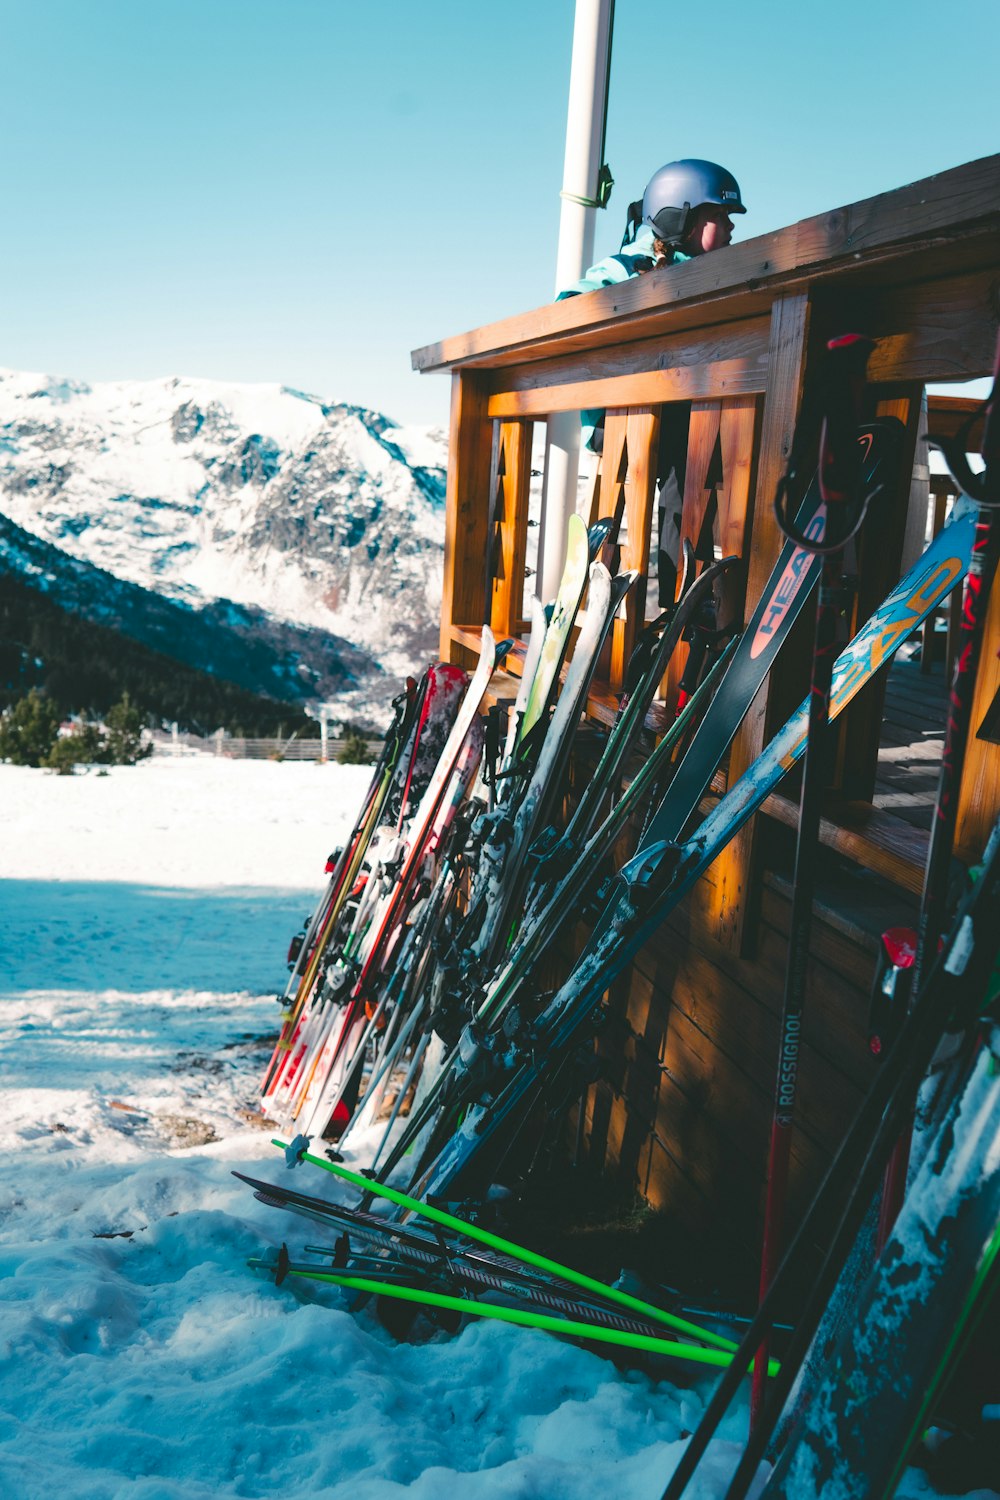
(947, 204)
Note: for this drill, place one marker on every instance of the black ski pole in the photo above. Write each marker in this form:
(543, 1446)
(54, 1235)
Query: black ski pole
(840, 482)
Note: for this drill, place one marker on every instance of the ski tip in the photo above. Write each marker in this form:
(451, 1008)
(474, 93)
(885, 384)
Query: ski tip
(597, 535)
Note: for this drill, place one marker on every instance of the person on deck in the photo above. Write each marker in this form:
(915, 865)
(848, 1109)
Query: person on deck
(685, 211)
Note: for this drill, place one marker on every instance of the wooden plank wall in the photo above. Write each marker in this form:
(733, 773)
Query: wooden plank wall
(684, 1113)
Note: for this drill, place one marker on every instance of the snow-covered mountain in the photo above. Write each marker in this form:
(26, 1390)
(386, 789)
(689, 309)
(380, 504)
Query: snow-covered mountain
(322, 516)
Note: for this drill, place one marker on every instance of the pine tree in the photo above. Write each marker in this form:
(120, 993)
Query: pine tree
(124, 743)
(85, 746)
(28, 730)
(353, 749)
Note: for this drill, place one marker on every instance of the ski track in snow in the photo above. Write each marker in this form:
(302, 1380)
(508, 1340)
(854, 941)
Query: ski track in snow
(146, 915)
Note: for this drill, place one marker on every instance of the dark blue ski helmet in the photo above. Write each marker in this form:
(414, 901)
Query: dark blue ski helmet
(680, 186)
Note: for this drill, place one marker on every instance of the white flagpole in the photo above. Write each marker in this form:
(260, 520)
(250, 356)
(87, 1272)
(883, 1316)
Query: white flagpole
(577, 220)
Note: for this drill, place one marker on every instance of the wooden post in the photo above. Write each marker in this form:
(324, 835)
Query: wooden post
(463, 600)
(790, 316)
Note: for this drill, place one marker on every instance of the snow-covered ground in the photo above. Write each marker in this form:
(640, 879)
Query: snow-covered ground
(146, 914)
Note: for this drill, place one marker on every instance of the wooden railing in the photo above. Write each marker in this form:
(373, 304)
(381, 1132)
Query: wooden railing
(736, 334)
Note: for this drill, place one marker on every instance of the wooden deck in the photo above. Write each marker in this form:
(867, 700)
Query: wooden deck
(909, 759)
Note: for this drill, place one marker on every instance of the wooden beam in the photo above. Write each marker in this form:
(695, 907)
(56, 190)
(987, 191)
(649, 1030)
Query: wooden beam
(729, 429)
(739, 434)
(946, 414)
(611, 492)
(869, 836)
(741, 342)
(733, 870)
(712, 379)
(929, 330)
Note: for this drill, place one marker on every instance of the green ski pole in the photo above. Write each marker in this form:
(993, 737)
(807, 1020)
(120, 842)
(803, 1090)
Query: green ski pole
(297, 1151)
(514, 1315)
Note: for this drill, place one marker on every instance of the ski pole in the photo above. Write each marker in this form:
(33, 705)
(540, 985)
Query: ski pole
(418, 1056)
(569, 1329)
(840, 482)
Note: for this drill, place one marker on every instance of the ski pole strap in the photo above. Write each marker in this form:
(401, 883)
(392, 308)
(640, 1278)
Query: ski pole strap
(297, 1151)
(839, 397)
(983, 487)
(839, 464)
(521, 1317)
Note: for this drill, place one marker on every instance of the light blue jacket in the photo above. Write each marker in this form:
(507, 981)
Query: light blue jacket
(629, 262)
(636, 257)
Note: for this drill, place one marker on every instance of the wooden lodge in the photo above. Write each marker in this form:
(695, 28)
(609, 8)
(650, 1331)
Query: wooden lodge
(682, 1116)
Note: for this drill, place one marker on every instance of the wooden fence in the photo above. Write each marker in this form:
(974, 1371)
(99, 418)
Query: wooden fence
(232, 748)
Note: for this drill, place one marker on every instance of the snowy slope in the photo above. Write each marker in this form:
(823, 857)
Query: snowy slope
(324, 515)
(146, 914)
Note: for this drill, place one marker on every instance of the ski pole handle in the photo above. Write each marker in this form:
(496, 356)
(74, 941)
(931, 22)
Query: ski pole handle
(839, 452)
(983, 487)
(838, 397)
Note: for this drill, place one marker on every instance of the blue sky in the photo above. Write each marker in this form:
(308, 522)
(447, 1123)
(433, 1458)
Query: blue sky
(304, 190)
